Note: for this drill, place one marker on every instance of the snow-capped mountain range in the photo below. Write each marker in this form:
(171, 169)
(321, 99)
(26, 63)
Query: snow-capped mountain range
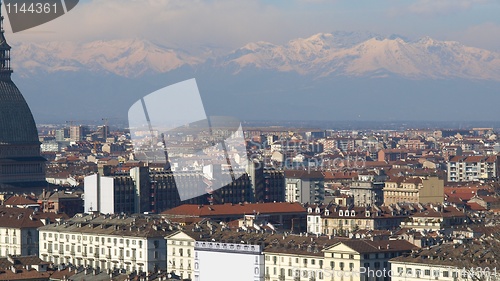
(353, 54)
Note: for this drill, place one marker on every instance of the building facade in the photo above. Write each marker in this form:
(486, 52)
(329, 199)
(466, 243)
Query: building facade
(19, 230)
(421, 190)
(472, 168)
(106, 242)
(304, 186)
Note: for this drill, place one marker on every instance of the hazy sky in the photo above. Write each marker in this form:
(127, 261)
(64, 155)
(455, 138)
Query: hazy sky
(233, 23)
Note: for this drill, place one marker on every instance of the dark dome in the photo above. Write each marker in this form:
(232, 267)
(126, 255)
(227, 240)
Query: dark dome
(17, 125)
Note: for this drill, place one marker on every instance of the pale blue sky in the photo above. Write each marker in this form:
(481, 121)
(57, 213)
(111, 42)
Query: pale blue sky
(233, 23)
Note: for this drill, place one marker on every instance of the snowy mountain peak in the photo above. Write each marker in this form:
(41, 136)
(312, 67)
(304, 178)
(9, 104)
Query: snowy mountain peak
(319, 55)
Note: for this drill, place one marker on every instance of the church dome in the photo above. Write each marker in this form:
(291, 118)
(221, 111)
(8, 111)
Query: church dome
(16, 121)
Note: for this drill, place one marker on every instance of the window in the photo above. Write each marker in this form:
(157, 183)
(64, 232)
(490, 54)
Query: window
(427, 272)
(332, 264)
(446, 274)
(351, 257)
(408, 271)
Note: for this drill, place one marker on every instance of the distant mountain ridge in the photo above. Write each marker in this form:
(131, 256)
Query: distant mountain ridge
(352, 54)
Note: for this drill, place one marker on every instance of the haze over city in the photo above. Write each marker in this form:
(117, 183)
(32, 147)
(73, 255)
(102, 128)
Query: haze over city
(425, 53)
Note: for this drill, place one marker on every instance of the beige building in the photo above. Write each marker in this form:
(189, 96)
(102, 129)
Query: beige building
(180, 253)
(344, 220)
(422, 190)
(362, 259)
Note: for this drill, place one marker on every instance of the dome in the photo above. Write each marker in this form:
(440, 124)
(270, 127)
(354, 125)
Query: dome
(21, 165)
(16, 121)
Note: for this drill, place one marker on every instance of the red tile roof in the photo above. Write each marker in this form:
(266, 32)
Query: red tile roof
(19, 200)
(235, 209)
(25, 218)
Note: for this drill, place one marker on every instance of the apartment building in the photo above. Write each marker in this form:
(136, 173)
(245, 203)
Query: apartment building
(362, 259)
(410, 189)
(367, 190)
(180, 253)
(474, 260)
(472, 168)
(106, 242)
(19, 230)
(436, 218)
(304, 186)
(345, 220)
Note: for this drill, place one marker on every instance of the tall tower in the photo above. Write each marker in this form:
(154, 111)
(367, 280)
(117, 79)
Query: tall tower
(21, 166)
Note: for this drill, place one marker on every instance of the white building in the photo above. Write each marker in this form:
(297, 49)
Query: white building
(180, 254)
(120, 193)
(107, 242)
(472, 168)
(449, 262)
(228, 261)
(314, 220)
(18, 230)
